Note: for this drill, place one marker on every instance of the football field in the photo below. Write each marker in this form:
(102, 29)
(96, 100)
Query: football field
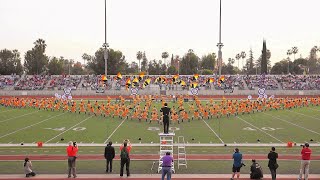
(30, 125)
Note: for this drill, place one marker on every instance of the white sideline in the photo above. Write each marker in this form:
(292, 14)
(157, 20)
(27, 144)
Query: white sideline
(213, 131)
(114, 132)
(18, 116)
(292, 123)
(30, 125)
(69, 129)
(260, 129)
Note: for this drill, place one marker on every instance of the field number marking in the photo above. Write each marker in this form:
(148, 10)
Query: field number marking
(158, 129)
(64, 128)
(263, 128)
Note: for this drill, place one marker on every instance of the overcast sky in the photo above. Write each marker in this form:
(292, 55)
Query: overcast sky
(73, 27)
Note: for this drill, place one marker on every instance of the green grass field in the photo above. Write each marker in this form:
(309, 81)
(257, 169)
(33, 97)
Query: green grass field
(31, 125)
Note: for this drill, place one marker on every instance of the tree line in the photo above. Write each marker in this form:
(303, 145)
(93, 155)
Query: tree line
(37, 62)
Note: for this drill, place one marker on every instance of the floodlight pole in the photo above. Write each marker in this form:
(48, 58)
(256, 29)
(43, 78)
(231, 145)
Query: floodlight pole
(105, 45)
(220, 45)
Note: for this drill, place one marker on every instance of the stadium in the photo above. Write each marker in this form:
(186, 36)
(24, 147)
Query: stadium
(216, 107)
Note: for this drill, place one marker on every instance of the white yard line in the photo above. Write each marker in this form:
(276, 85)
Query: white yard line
(5, 135)
(113, 132)
(314, 109)
(259, 129)
(7, 111)
(213, 131)
(18, 116)
(305, 115)
(69, 128)
(292, 123)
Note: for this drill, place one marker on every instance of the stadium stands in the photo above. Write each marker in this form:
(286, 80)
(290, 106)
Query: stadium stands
(91, 82)
(8, 80)
(29, 82)
(62, 82)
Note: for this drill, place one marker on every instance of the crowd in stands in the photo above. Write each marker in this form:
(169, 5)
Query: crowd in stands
(254, 81)
(92, 82)
(299, 82)
(36, 82)
(8, 80)
(62, 82)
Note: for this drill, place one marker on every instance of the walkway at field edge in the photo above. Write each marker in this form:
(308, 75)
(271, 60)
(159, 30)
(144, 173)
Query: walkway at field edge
(149, 177)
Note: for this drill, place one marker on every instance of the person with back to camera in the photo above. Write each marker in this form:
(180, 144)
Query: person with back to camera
(305, 162)
(72, 151)
(125, 157)
(166, 166)
(237, 163)
(27, 165)
(273, 165)
(166, 112)
(256, 170)
(109, 154)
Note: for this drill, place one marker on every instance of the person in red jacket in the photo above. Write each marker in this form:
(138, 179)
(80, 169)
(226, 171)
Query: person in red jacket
(305, 162)
(72, 151)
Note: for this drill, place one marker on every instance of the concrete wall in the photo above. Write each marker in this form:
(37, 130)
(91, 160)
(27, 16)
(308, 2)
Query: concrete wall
(156, 91)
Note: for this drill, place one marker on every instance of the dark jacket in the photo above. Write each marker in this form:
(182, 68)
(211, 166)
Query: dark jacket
(256, 171)
(273, 156)
(109, 152)
(166, 112)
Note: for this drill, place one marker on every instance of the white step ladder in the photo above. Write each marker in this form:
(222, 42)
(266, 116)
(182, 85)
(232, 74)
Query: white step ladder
(182, 154)
(166, 145)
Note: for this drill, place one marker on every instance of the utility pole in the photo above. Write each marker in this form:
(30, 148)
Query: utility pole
(220, 45)
(105, 45)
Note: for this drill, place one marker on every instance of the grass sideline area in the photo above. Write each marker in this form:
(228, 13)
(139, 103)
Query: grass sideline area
(151, 150)
(144, 167)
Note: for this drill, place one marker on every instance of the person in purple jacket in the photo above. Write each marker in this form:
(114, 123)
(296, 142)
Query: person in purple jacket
(166, 166)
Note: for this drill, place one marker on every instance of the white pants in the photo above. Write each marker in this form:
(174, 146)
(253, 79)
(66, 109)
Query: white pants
(304, 169)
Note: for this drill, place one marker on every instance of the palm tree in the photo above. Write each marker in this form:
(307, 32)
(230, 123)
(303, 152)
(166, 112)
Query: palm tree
(238, 58)
(139, 57)
(295, 50)
(243, 55)
(315, 49)
(289, 52)
(164, 56)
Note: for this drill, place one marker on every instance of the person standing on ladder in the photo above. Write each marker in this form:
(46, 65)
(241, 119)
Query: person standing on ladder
(166, 111)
